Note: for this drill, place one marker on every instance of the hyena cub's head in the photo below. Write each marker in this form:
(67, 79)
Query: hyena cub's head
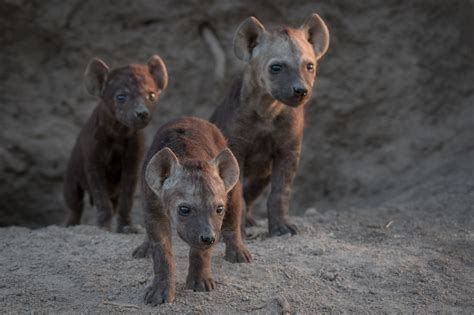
(193, 192)
(283, 61)
(130, 93)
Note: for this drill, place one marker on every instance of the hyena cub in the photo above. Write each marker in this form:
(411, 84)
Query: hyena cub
(189, 181)
(263, 116)
(105, 159)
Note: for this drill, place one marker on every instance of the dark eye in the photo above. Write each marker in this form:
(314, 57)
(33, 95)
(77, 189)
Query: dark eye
(121, 98)
(184, 210)
(310, 67)
(275, 68)
(151, 96)
(219, 209)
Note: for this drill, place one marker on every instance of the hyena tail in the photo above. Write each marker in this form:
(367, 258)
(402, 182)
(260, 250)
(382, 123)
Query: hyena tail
(210, 38)
(74, 197)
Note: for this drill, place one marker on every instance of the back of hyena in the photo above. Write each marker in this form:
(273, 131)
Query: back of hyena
(263, 115)
(190, 180)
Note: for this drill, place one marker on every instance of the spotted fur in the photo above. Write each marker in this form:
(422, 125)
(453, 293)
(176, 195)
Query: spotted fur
(263, 115)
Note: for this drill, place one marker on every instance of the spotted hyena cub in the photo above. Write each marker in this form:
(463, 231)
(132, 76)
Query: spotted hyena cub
(105, 159)
(263, 115)
(189, 182)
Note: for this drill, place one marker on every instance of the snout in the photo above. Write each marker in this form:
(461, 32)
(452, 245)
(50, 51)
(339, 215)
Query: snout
(142, 114)
(293, 95)
(300, 92)
(207, 239)
(299, 96)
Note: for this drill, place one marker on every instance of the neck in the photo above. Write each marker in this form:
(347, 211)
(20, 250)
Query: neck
(255, 98)
(110, 126)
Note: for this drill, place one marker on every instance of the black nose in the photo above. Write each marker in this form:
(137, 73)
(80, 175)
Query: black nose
(142, 114)
(300, 91)
(208, 240)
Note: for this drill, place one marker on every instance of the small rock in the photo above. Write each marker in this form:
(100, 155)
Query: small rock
(245, 298)
(82, 243)
(285, 236)
(283, 303)
(328, 275)
(88, 285)
(317, 252)
(310, 212)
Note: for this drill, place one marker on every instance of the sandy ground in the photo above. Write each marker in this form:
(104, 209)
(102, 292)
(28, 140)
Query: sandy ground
(409, 255)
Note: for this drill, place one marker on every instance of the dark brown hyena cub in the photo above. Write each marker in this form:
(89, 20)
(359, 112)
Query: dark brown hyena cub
(263, 116)
(105, 159)
(190, 181)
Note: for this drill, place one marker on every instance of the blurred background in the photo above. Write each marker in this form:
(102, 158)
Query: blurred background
(392, 110)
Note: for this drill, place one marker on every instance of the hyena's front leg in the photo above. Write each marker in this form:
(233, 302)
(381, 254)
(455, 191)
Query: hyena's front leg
(235, 249)
(284, 171)
(199, 275)
(98, 189)
(128, 183)
(163, 288)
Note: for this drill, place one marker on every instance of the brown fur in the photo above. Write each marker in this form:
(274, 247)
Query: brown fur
(189, 164)
(263, 116)
(104, 161)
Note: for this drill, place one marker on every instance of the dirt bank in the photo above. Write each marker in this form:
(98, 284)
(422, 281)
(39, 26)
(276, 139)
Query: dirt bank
(392, 103)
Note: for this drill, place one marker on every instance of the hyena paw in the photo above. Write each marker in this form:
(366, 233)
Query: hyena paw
(159, 293)
(200, 283)
(130, 229)
(142, 251)
(239, 254)
(250, 221)
(282, 228)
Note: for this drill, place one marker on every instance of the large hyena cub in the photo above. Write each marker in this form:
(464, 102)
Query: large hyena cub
(105, 159)
(263, 116)
(190, 180)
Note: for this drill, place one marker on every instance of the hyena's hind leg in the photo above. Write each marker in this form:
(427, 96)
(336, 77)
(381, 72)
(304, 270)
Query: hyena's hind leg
(74, 197)
(253, 187)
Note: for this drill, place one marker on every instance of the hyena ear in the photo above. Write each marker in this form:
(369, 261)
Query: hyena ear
(247, 37)
(157, 69)
(317, 33)
(96, 76)
(228, 168)
(161, 166)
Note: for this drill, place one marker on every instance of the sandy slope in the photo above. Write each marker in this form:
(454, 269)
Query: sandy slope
(413, 254)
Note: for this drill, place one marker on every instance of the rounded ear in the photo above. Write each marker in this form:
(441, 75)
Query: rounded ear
(160, 167)
(247, 37)
(158, 71)
(228, 168)
(96, 76)
(317, 33)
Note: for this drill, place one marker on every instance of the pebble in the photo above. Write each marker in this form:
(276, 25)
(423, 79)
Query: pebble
(311, 212)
